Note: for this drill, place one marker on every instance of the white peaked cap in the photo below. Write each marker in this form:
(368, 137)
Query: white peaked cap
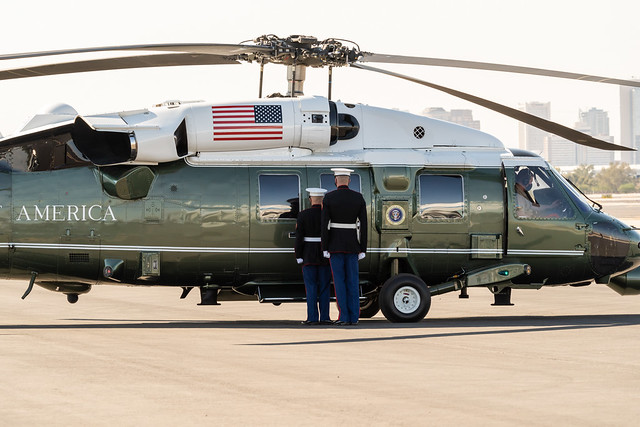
(316, 192)
(341, 171)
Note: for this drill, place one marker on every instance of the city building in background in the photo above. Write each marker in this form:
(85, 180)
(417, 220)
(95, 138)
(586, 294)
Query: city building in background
(630, 123)
(531, 138)
(459, 117)
(559, 151)
(594, 122)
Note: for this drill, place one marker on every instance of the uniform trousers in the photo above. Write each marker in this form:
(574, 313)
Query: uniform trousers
(346, 281)
(317, 279)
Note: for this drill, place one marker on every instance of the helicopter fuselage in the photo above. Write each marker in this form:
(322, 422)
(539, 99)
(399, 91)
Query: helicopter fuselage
(441, 200)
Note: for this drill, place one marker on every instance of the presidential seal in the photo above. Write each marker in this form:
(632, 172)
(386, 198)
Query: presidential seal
(395, 215)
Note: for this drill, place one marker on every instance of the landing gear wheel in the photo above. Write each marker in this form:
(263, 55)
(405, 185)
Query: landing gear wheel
(405, 298)
(369, 308)
(72, 298)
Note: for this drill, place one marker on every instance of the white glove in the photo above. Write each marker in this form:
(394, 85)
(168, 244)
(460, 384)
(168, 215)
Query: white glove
(361, 255)
(326, 254)
(299, 260)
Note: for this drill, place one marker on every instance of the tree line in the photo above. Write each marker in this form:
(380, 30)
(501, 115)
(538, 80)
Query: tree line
(616, 178)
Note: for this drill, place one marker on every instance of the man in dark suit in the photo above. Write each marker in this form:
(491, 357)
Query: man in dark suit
(316, 271)
(344, 241)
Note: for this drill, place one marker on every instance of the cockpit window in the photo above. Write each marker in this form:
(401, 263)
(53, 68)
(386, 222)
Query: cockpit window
(539, 195)
(583, 204)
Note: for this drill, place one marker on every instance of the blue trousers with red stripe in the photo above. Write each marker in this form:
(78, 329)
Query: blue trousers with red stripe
(317, 279)
(344, 267)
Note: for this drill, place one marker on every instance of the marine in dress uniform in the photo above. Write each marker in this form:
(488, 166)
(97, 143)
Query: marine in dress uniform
(344, 241)
(315, 268)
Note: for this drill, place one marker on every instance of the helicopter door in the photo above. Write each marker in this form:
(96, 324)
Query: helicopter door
(440, 242)
(275, 203)
(545, 230)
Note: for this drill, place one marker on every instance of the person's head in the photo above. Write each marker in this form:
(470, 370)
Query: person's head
(342, 176)
(525, 178)
(316, 195)
(342, 180)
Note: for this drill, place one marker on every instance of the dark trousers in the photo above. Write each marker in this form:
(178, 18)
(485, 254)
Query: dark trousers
(344, 267)
(317, 279)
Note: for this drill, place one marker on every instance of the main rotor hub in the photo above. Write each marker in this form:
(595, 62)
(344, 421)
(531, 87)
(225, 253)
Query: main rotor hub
(305, 50)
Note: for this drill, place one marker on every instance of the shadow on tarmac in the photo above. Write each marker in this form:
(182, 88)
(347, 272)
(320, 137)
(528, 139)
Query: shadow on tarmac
(464, 326)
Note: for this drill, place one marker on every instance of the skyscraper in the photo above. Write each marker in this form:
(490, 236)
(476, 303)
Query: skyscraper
(630, 123)
(531, 138)
(594, 122)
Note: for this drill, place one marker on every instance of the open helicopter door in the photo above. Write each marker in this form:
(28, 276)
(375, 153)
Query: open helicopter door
(543, 225)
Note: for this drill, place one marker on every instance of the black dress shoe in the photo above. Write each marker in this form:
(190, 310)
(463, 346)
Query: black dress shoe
(309, 323)
(326, 322)
(340, 323)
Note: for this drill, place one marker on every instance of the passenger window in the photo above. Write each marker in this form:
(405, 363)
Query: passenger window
(328, 183)
(441, 197)
(279, 197)
(538, 195)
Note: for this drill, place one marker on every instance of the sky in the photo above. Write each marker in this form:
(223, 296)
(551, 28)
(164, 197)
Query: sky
(593, 37)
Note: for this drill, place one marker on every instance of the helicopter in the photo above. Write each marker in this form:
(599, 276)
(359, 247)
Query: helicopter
(206, 194)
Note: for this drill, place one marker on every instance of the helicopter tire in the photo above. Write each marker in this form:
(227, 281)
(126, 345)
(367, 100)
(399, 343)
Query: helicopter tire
(72, 298)
(369, 308)
(405, 298)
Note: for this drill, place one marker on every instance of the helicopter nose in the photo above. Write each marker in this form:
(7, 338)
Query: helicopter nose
(614, 249)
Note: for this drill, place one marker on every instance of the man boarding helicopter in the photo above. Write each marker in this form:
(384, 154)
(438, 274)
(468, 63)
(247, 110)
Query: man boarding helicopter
(205, 194)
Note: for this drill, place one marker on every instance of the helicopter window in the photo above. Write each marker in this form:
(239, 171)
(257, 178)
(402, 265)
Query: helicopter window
(279, 197)
(328, 183)
(580, 200)
(441, 197)
(538, 195)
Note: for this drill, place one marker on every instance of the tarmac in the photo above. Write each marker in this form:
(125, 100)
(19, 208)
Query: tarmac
(141, 356)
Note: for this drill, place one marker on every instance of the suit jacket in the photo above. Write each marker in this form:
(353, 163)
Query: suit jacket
(308, 225)
(344, 206)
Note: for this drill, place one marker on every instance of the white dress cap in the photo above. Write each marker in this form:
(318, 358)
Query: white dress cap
(341, 171)
(316, 192)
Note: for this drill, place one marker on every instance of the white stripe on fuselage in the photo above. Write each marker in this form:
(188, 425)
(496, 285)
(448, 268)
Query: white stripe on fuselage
(72, 246)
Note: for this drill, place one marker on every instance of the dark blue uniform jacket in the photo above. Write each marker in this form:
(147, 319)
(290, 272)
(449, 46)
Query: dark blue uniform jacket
(344, 206)
(308, 225)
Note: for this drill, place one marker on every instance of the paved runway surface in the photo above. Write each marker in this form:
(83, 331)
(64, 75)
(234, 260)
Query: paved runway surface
(140, 356)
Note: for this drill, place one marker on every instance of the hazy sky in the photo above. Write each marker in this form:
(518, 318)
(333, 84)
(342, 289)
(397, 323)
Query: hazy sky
(595, 37)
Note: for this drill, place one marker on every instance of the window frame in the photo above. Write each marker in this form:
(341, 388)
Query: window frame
(463, 200)
(261, 218)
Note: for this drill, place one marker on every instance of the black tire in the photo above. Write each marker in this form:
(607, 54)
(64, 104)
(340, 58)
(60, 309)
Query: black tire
(369, 307)
(405, 298)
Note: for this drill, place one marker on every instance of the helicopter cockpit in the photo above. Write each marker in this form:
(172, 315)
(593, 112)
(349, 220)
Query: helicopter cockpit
(539, 194)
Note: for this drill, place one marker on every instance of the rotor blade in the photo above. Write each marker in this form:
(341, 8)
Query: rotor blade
(144, 61)
(197, 48)
(530, 119)
(440, 62)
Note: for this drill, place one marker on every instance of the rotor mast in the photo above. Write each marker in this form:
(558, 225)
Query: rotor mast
(296, 75)
(299, 52)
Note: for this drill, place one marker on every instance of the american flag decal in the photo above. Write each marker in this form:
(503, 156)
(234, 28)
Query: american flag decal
(247, 122)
